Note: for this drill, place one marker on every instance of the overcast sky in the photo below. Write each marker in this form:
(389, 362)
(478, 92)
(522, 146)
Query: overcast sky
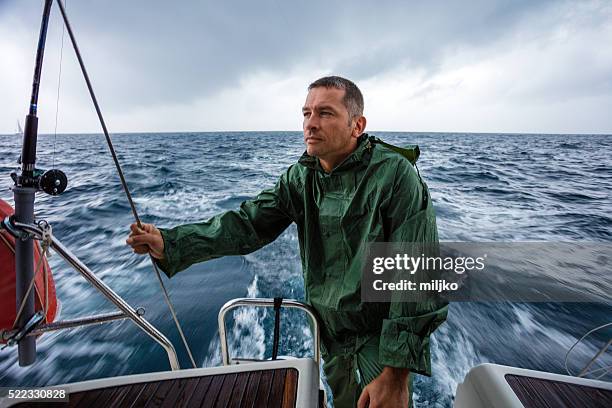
(461, 66)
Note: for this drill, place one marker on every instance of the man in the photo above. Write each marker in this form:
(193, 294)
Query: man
(346, 190)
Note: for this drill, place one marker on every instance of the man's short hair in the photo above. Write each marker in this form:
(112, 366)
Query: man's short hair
(353, 99)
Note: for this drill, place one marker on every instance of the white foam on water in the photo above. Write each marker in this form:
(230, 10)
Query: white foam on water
(527, 326)
(550, 340)
(452, 355)
(246, 339)
(184, 205)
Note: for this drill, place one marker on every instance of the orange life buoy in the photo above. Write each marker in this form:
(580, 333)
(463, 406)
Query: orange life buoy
(8, 306)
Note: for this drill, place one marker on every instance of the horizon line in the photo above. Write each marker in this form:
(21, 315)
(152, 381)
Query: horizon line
(299, 131)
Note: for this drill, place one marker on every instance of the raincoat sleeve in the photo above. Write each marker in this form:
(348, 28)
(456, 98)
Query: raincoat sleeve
(258, 222)
(405, 333)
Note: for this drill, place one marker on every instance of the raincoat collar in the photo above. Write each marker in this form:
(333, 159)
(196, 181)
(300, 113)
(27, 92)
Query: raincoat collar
(361, 155)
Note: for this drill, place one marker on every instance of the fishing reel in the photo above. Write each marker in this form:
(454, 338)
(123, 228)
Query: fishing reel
(52, 182)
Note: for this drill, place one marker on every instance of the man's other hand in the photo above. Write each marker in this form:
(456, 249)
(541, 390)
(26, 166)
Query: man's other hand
(388, 390)
(146, 240)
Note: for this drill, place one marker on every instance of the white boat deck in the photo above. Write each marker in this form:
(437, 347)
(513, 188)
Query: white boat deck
(280, 383)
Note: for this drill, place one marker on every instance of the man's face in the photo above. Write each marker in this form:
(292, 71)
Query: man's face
(327, 131)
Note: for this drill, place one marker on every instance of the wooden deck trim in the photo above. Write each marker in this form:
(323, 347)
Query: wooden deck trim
(251, 389)
(539, 393)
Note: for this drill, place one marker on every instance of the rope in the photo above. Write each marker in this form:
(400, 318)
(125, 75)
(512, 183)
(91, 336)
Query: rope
(120, 172)
(8, 244)
(47, 239)
(46, 282)
(605, 370)
(12, 249)
(23, 301)
(44, 252)
(172, 311)
(59, 81)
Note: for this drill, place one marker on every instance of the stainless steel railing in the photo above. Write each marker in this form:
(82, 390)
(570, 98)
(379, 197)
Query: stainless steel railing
(601, 371)
(262, 302)
(128, 311)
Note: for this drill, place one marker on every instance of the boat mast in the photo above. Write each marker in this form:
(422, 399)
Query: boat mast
(26, 185)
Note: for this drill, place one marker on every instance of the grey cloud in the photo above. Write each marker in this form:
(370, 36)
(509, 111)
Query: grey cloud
(160, 52)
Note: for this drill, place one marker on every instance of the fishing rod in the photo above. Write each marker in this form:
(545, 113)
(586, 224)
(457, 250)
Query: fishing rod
(53, 182)
(28, 181)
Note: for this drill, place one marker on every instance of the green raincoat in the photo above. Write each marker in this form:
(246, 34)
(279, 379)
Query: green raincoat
(374, 195)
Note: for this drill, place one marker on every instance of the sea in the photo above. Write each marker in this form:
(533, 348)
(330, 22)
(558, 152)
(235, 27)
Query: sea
(485, 187)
